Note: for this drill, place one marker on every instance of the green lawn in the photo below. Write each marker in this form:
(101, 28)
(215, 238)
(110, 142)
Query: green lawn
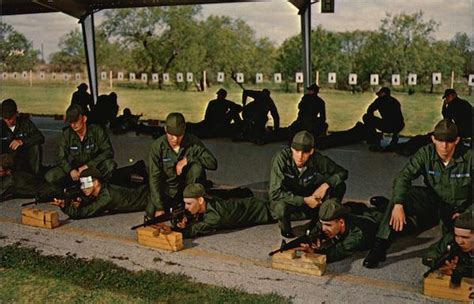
(28, 277)
(343, 108)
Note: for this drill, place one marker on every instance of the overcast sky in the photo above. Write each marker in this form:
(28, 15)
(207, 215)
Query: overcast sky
(278, 20)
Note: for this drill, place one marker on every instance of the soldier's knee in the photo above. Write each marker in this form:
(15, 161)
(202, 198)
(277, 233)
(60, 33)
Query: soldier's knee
(106, 167)
(194, 171)
(54, 175)
(339, 191)
(278, 209)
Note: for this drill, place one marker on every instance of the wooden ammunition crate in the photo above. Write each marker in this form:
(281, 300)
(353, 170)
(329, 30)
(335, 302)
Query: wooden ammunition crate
(302, 262)
(438, 285)
(152, 237)
(39, 218)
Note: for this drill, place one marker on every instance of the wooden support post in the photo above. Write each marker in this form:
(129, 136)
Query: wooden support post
(31, 78)
(296, 261)
(204, 81)
(152, 237)
(438, 286)
(39, 218)
(317, 78)
(110, 80)
(452, 80)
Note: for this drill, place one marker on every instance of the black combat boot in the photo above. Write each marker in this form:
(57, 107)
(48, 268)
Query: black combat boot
(286, 230)
(377, 254)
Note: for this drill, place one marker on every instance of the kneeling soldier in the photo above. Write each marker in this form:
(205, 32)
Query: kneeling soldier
(301, 180)
(101, 198)
(455, 252)
(343, 233)
(211, 214)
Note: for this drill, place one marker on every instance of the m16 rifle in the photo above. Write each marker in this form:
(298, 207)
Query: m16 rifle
(453, 250)
(175, 216)
(69, 194)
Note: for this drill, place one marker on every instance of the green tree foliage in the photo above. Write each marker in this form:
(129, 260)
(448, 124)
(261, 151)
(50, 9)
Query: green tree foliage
(16, 52)
(462, 43)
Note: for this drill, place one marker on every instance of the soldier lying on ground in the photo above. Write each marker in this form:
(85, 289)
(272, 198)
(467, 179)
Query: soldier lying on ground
(102, 198)
(211, 213)
(301, 180)
(344, 233)
(455, 251)
(125, 123)
(81, 146)
(446, 167)
(21, 138)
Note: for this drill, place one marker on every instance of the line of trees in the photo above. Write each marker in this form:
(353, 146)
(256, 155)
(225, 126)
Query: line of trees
(174, 39)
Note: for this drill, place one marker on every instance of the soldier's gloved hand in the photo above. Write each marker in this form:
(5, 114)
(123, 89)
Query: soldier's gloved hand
(320, 192)
(312, 202)
(398, 219)
(15, 144)
(449, 266)
(75, 174)
(180, 165)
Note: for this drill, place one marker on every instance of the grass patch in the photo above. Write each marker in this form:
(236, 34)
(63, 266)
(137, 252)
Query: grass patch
(344, 109)
(29, 277)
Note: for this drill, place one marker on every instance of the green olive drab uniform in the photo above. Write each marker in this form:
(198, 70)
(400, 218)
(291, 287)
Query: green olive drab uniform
(165, 184)
(27, 156)
(111, 199)
(448, 190)
(230, 214)
(95, 150)
(25, 184)
(289, 186)
(359, 235)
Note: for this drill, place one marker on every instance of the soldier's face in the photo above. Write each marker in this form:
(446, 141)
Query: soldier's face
(301, 157)
(445, 149)
(79, 125)
(464, 238)
(332, 228)
(88, 191)
(449, 98)
(11, 122)
(173, 140)
(192, 205)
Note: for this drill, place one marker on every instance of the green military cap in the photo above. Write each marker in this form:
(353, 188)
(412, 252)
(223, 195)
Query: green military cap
(6, 161)
(303, 141)
(175, 124)
(465, 221)
(73, 112)
(9, 108)
(448, 92)
(446, 130)
(92, 172)
(332, 210)
(194, 191)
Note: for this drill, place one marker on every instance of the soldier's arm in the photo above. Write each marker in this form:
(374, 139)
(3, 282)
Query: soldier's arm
(105, 148)
(277, 191)
(207, 115)
(434, 253)
(352, 243)
(336, 173)
(35, 137)
(412, 170)
(200, 154)
(275, 115)
(323, 111)
(155, 179)
(63, 153)
(95, 208)
(209, 225)
(373, 106)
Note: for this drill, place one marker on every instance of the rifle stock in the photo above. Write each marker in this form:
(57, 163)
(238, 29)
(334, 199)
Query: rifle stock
(67, 195)
(174, 216)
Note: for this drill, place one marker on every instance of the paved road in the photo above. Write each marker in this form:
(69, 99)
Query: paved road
(238, 258)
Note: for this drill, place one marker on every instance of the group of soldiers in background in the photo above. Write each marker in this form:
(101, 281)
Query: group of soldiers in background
(304, 184)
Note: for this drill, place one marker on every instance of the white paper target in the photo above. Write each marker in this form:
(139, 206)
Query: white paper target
(4, 75)
(179, 77)
(374, 79)
(412, 79)
(166, 77)
(154, 77)
(331, 77)
(66, 76)
(352, 79)
(436, 78)
(239, 77)
(299, 77)
(103, 75)
(220, 77)
(470, 81)
(395, 79)
(53, 76)
(42, 75)
(144, 77)
(189, 77)
(15, 75)
(24, 74)
(77, 76)
(120, 75)
(132, 76)
(277, 77)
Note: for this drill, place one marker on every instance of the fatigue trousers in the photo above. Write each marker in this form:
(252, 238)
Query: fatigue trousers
(375, 123)
(283, 212)
(423, 210)
(28, 159)
(58, 176)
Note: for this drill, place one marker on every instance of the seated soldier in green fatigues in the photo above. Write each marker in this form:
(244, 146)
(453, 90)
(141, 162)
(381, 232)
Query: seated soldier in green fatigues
(102, 198)
(21, 138)
(446, 168)
(81, 146)
(344, 233)
(16, 183)
(301, 180)
(176, 159)
(459, 246)
(211, 214)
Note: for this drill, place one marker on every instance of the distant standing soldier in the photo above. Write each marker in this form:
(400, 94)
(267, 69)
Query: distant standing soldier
(176, 159)
(83, 98)
(392, 118)
(255, 114)
(212, 214)
(221, 119)
(311, 114)
(459, 110)
(21, 138)
(81, 146)
(301, 180)
(101, 198)
(446, 167)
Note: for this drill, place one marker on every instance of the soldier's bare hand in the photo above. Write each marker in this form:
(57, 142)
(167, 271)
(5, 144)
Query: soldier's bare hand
(312, 202)
(320, 192)
(182, 224)
(306, 248)
(76, 203)
(180, 165)
(455, 216)
(75, 175)
(449, 266)
(59, 203)
(15, 144)
(159, 212)
(398, 219)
